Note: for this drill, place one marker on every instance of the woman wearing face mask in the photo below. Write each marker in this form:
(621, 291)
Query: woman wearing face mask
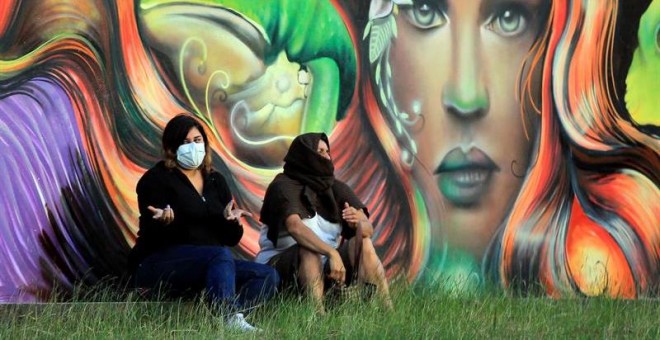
(188, 220)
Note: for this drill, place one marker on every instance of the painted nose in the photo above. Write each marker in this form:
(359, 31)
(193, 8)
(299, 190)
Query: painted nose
(465, 95)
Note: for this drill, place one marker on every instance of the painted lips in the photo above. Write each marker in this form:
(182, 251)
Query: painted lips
(465, 176)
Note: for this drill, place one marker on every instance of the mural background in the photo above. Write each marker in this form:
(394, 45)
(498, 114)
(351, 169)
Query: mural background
(506, 143)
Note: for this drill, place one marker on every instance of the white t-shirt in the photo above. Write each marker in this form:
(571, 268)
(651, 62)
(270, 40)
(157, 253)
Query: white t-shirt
(327, 231)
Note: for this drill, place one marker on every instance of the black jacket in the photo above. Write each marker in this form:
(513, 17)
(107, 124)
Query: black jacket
(198, 219)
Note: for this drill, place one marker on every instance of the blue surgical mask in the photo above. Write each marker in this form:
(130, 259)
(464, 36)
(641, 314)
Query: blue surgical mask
(191, 155)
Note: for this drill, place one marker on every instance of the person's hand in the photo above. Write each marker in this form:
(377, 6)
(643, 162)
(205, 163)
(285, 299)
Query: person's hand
(337, 269)
(165, 215)
(353, 216)
(233, 213)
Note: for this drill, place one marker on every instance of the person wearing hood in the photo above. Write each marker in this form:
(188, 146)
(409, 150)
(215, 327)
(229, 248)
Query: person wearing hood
(307, 212)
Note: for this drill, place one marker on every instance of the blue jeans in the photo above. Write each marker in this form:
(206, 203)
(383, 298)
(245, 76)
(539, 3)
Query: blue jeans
(233, 285)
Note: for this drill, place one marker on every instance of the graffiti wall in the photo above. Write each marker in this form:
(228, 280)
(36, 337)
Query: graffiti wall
(513, 144)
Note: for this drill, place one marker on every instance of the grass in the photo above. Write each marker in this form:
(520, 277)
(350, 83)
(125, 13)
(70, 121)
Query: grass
(418, 314)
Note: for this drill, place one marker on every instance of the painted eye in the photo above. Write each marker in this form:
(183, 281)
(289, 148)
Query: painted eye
(509, 22)
(424, 16)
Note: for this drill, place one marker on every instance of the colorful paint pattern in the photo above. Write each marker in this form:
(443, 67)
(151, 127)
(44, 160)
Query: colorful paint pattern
(518, 149)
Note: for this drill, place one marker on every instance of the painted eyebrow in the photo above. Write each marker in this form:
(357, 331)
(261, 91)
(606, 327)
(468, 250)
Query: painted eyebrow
(437, 4)
(489, 7)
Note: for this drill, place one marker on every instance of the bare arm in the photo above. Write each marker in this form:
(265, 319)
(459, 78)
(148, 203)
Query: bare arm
(305, 237)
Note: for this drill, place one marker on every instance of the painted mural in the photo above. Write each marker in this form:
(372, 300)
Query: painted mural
(511, 144)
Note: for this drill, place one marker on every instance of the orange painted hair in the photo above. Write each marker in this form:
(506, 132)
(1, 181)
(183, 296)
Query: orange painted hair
(587, 219)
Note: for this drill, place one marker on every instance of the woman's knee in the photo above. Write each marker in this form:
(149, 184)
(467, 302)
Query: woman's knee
(220, 253)
(221, 257)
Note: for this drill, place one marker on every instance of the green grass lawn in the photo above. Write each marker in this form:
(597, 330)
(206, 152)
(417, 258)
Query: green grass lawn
(418, 314)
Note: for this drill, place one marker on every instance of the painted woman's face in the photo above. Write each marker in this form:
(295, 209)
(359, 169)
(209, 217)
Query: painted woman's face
(458, 63)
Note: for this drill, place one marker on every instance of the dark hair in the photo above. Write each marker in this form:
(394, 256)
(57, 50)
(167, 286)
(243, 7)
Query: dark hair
(175, 133)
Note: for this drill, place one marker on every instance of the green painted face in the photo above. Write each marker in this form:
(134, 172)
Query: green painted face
(456, 64)
(642, 97)
(258, 73)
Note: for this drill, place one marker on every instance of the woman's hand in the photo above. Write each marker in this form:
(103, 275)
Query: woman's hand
(165, 216)
(233, 213)
(353, 216)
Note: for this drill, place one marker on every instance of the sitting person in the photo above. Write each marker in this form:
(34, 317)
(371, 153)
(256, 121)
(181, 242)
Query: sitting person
(188, 220)
(305, 212)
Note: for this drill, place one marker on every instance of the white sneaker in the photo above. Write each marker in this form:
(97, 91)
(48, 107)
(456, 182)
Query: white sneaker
(237, 322)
